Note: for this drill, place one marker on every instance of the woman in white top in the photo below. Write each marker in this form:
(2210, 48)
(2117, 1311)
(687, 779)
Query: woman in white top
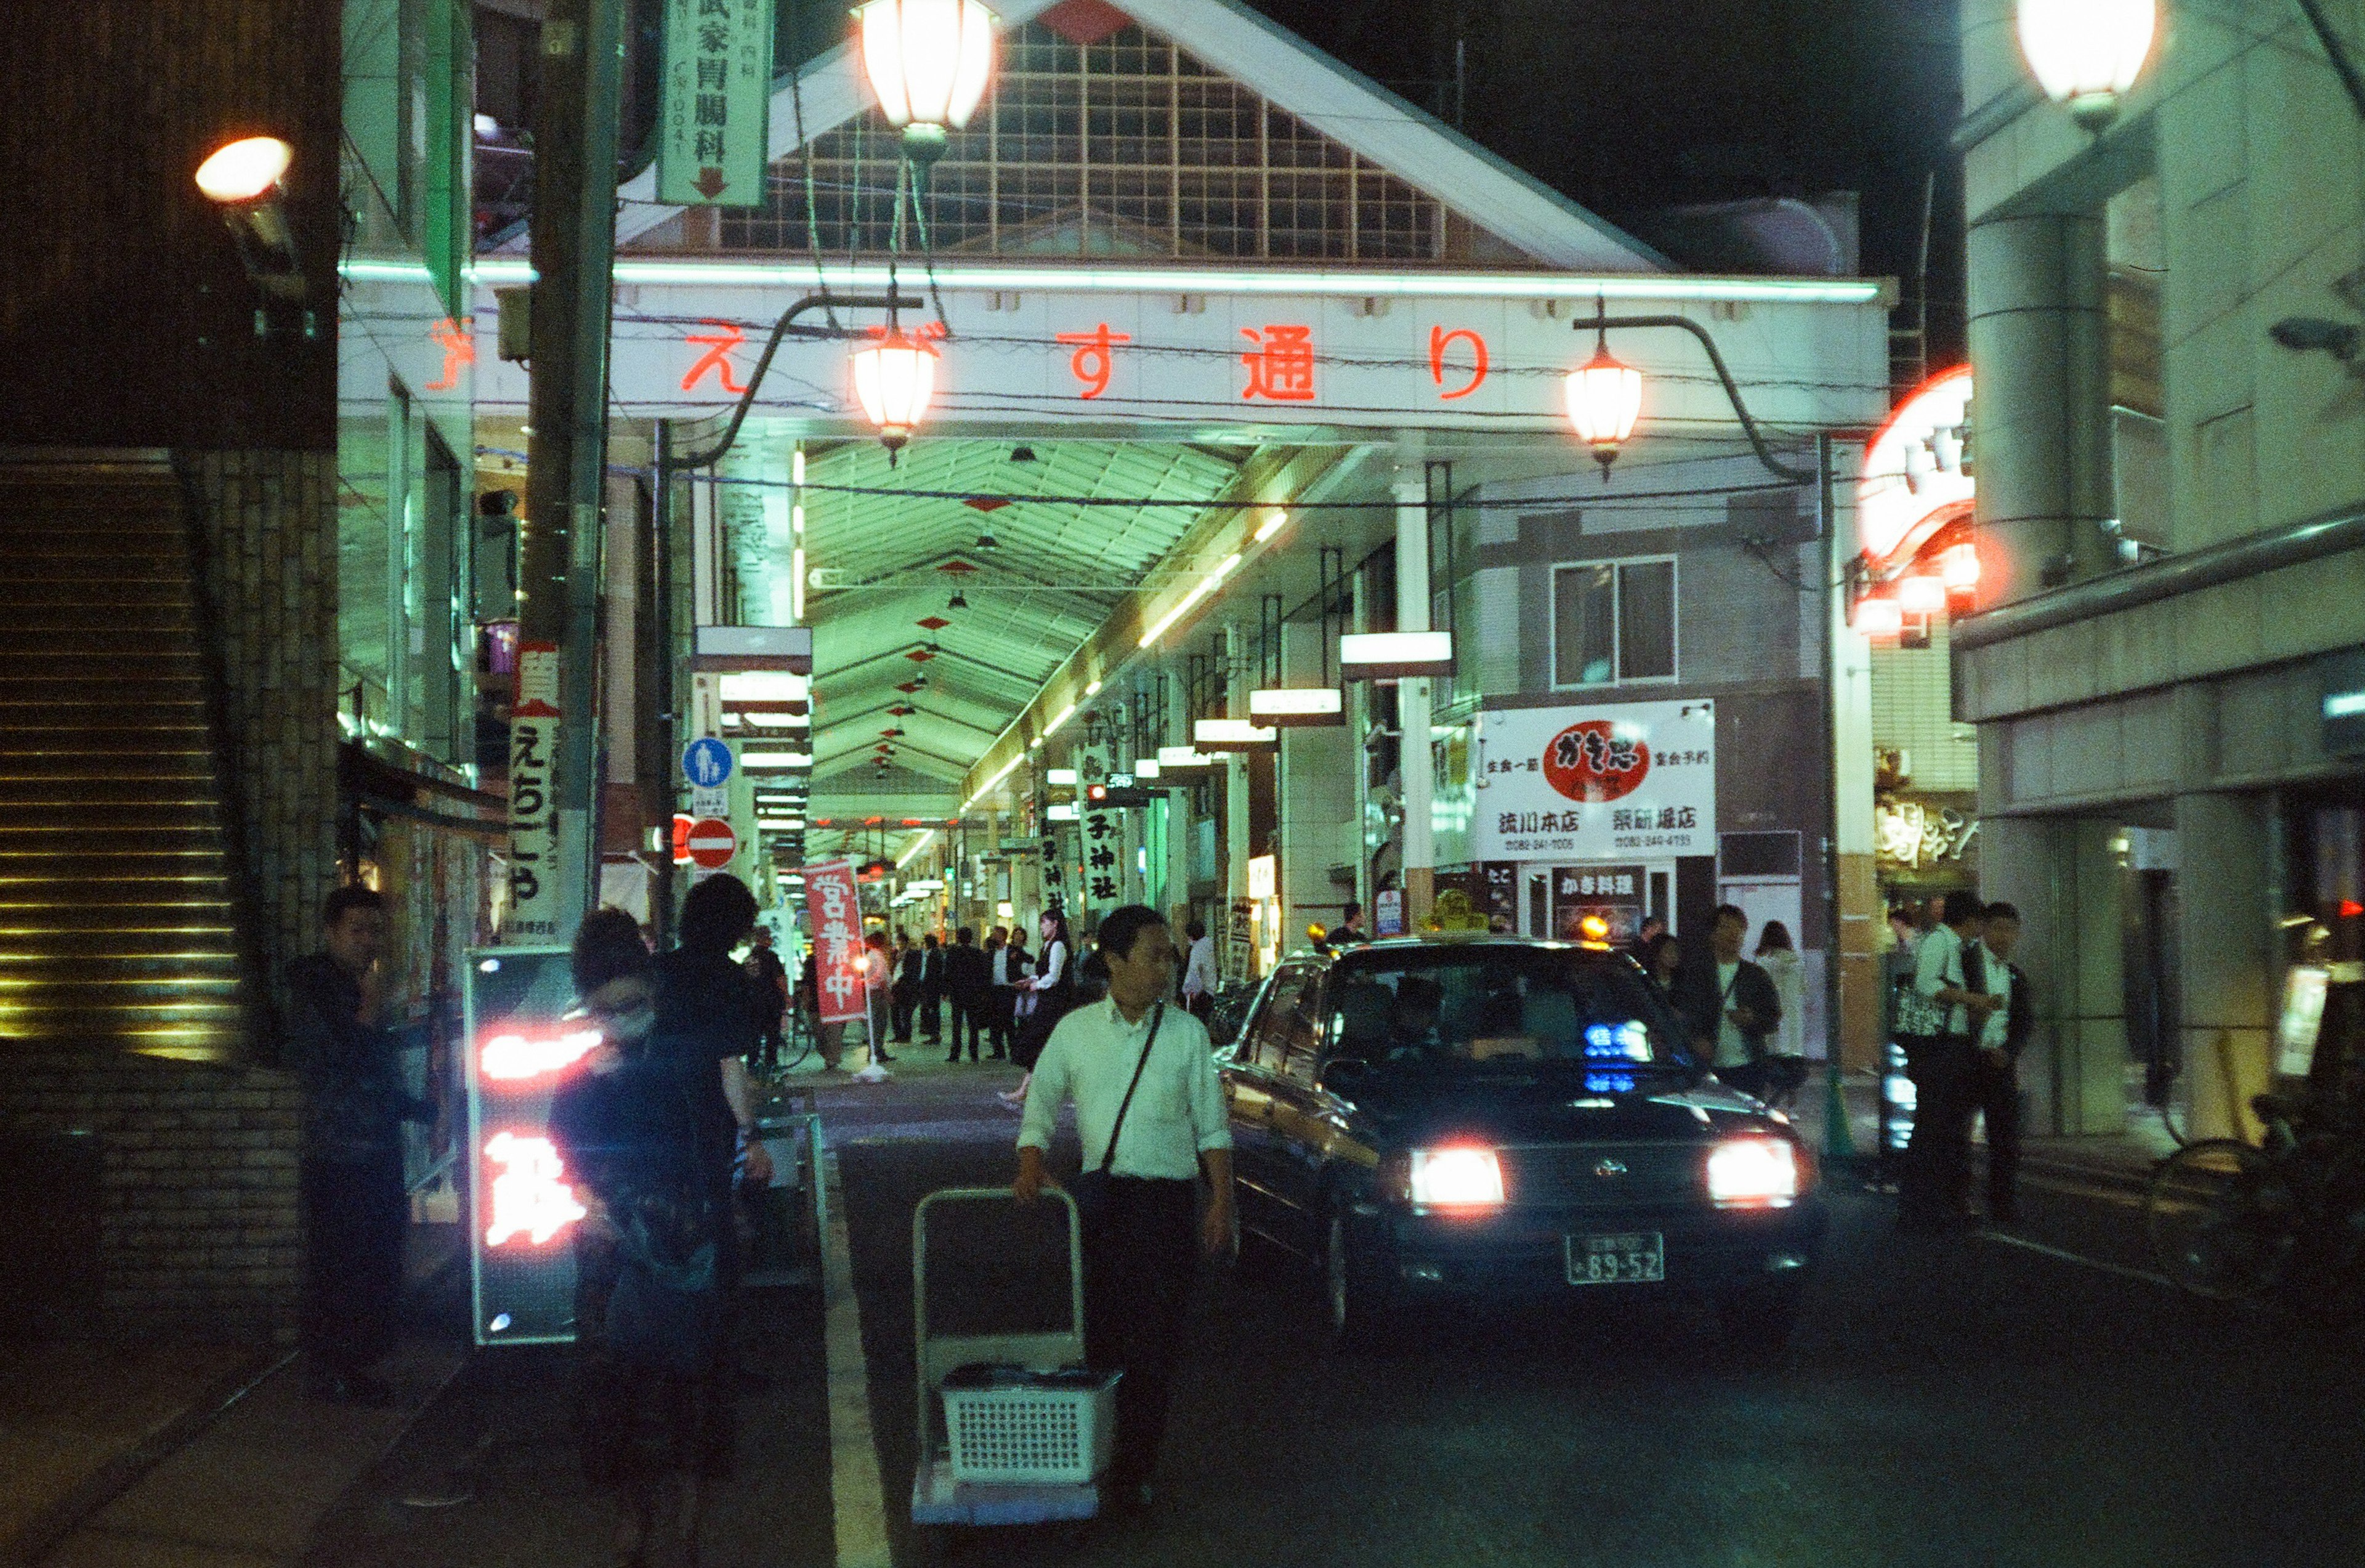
(1051, 989)
(1786, 970)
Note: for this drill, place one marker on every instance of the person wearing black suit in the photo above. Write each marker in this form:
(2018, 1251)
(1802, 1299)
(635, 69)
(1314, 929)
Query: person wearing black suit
(966, 976)
(1728, 1004)
(1010, 969)
(905, 991)
(931, 990)
(1995, 1074)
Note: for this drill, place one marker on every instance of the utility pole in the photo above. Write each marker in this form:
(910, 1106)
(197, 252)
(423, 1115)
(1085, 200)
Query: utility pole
(553, 740)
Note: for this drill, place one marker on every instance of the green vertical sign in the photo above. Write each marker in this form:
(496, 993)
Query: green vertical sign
(714, 127)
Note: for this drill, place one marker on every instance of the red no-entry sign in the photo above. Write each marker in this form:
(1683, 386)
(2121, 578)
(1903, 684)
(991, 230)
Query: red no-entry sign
(712, 843)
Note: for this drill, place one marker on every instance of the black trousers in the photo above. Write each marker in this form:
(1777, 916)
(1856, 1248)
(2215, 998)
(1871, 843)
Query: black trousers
(999, 1003)
(1141, 1251)
(1933, 1185)
(906, 999)
(931, 1013)
(355, 1216)
(1995, 1094)
(968, 1012)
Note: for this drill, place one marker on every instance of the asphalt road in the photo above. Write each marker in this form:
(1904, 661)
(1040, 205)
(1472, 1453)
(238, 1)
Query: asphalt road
(1971, 1401)
(1978, 1401)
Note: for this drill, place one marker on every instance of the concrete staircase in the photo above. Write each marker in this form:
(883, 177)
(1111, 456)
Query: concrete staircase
(116, 905)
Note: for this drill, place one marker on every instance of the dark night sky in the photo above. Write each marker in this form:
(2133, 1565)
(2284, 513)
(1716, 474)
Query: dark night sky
(1628, 105)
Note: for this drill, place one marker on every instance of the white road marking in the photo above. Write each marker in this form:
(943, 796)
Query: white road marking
(2065, 1256)
(857, 1491)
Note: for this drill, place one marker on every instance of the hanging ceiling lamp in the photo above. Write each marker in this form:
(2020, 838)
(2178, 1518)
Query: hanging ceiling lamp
(893, 379)
(928, 62)
(1605, 398)
(959, 601)
(2087, 54)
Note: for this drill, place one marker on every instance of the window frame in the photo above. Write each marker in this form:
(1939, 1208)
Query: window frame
(1617, 565)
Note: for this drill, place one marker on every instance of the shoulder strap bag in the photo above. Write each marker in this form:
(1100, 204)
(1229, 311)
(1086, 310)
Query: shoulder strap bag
(1092, 1187)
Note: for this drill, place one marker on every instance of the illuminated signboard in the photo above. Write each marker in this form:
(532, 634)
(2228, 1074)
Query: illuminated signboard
(1915, 480)
(521, 1046)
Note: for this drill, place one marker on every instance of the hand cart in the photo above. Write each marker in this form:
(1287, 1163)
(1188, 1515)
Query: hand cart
(1013, 1430)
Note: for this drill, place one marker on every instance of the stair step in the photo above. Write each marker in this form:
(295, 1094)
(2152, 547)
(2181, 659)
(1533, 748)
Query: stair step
(207, 869)
(52, 616)
(64, 905)
(99, 596)
(21, 797)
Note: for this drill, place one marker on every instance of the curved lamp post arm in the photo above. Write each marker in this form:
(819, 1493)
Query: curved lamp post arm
(785, 327)
(1731, 389)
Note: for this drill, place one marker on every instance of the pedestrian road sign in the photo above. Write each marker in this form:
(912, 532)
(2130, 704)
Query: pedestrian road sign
(706, 761)
(712, 843)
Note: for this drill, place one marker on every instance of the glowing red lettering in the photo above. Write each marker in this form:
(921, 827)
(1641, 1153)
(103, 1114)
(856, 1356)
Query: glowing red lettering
(459, 348)
(528, 1199)
(718, 346)
(1091, 362)
(1280, 368)
(1439, 339)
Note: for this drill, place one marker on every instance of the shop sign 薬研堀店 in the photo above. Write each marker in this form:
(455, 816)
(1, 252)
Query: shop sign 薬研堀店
(1596, 783)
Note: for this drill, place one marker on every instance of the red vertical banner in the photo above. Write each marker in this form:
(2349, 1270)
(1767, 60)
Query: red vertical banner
(834, 913)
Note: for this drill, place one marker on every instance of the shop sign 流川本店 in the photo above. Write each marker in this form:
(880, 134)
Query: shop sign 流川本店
(1582, 783)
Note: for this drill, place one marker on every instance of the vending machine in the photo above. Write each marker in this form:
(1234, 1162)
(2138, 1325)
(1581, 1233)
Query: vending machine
(523, 1039)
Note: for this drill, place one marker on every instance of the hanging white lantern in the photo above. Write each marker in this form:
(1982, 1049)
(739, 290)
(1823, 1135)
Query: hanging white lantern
(893, 379)
(2087, 54)
(1605, 398)
(929, 61)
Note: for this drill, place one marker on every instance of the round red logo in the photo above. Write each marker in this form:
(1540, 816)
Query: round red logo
(1587, 762)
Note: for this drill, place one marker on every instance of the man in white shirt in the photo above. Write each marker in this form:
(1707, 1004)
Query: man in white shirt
(1150, 1115)
(1934, 1181)
(1199, 972)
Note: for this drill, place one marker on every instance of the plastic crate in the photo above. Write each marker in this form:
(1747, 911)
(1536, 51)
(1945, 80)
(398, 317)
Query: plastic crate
(1009, 1425)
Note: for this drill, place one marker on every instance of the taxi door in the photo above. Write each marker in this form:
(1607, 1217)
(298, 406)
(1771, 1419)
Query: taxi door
(1248, 1078)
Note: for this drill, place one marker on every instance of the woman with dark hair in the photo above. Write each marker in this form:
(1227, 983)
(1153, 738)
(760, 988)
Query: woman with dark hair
(1783, 966)
(652, 1410)
(1661, 956)
(1053, 993)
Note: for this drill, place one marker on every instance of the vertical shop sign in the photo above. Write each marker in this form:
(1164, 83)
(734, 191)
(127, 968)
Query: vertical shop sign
(834, 916)
(714, 117)
(534, 881)
(1101, 829)
(1239, 942)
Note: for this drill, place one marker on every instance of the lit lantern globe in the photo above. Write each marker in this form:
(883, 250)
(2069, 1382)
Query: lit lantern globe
(2087, 54)
(1605, 398)
(1878, 618)
(928, 62)
(893, 379)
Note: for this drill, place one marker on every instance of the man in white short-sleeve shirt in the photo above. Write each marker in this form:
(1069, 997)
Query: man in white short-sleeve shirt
(1149, 1113)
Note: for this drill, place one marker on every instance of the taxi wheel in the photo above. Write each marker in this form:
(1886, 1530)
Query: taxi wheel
(1360, 1308)
(1759, 1317)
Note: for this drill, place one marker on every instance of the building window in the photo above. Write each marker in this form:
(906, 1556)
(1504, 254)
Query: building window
(1614, 622)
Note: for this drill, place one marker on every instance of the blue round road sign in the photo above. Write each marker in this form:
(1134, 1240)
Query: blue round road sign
(706, 763)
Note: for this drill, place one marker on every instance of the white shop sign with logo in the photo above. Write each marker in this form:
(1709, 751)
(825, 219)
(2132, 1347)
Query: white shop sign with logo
(1596, 783)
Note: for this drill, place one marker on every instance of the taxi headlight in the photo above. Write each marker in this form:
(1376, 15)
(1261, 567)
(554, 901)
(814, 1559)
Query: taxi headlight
(1456, 1178)
(1753, 1172)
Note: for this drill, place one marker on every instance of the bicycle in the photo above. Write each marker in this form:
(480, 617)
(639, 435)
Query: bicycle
(2233, 1221)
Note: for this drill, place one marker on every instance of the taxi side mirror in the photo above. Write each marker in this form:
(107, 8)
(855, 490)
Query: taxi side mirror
(1339, 1071)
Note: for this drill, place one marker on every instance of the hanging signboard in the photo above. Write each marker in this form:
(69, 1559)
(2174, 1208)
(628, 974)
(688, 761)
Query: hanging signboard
(834, 919)
(1102, 835)
(535, 895)
(1587, 783)
(714, 114)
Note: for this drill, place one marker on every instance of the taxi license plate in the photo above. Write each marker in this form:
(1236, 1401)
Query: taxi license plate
(1639, 1258)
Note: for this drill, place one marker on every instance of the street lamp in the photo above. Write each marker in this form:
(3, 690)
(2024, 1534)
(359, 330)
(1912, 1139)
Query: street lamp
(1605, 398)
(929, 61)
(2087, 54)
(893, 378)
(242, 178)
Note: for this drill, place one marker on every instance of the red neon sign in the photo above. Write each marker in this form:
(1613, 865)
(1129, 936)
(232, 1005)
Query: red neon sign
(1439, 339)
(1093, 362)
(718, 346)
(1280, 368)
(513, 1057)
(459, 348)
(528, 1199)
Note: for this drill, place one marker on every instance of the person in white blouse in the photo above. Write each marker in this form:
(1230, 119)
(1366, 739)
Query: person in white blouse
(1199, 972)
(1150, 1115)
(1051, 992)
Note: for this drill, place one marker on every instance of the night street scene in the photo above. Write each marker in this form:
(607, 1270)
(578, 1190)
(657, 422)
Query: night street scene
(1153, 783)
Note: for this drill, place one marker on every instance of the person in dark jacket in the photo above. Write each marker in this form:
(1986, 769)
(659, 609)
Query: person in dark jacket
(905, 988)
(931, 990)
(1995, 1072)
(967, 976)
(705, 1029)
(354, 1209)
(627, 1131)
(1729, 1004)
(771, 978)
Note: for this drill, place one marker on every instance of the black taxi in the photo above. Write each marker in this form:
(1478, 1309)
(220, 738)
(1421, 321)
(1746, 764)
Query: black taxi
(1440, 1116)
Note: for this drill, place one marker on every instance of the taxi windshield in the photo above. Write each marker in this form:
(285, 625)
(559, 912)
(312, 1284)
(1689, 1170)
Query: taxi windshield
(1471, 1007)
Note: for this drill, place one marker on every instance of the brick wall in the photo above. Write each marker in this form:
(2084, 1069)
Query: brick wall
(269, 563)
(198, 1231)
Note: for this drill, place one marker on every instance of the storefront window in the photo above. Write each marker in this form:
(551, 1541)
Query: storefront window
(1612, 622)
